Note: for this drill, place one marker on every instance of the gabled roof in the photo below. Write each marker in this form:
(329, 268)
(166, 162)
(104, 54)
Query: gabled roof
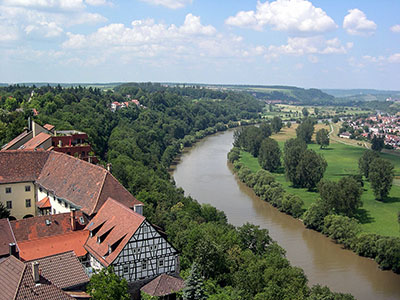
(163, 285)
(6, 237)
(82, 183)
(46, 226)
(21, 165)
(15, 140)
(16, 282)
(36, 141)
(72, 241)
(63, 270)
(115, 224)
(44, 203)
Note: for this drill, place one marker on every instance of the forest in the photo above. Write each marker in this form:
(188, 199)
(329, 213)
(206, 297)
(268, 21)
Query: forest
(140, 143)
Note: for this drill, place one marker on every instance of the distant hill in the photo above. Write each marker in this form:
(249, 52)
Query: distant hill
(53, 84)
(363, 93)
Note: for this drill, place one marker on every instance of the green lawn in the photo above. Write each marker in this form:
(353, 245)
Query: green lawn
(377, 217)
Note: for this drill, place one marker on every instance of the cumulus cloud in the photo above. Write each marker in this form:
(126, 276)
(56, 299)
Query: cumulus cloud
(296, 16)
(356, 23)
(395, 28)
(394, 58)
(298, 46)
(174, 4)
(44, 18)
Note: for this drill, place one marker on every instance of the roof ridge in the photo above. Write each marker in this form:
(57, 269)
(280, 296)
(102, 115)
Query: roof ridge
(101, 191)
(123, 186)
(125, 207)
(12, 232)
(20, 279)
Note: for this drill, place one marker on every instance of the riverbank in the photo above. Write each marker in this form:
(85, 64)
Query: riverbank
(384, 249)
(205, 175)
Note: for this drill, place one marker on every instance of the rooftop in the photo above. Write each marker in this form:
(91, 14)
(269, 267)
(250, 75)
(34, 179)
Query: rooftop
(163, 285)
(36, 141)
(6, 237)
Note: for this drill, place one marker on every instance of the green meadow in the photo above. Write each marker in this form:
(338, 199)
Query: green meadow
(374, 216)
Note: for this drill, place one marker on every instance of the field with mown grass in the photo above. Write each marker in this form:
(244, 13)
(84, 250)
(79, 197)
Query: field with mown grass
(375, 216)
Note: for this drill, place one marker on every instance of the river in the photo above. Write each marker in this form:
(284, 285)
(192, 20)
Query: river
(203, 172)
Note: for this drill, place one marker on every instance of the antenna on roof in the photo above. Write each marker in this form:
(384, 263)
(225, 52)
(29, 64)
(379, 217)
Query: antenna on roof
(48, 222)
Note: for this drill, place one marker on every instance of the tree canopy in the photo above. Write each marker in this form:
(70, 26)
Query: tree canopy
(381, 174)
(322, 138)
(107, 285)
(269, 156)
(305, 130)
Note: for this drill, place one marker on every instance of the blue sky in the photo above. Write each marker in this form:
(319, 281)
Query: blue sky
(321, 44)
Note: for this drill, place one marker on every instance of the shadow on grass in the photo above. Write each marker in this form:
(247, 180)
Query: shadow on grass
(391, 200)
(327, 149)
(364, 216)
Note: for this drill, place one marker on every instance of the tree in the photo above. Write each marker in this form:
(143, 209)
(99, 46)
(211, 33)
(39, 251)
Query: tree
(311, 169)
(324, 293)
(269, 155)
(305, 130)
(4, 212)
(365, 161)
(315, 215)
(305, 112)
(377, 144)
(194, 285)
(288, 124)
(381, 174)
(107, 285)
(316, 110)
(322, 138)
(342, 229)
(343, 197)
(11, 104)
(276, 124)
(293, 151)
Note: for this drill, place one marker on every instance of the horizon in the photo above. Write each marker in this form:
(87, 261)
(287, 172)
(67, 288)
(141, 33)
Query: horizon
(311, 44)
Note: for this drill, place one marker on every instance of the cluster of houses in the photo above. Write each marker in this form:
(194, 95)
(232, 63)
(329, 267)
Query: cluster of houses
(45, 137)
(386, 127)
(119, 105)
(69, 219)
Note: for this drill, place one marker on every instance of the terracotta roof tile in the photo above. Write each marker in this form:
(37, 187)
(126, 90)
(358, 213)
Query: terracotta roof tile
(37, 227)
(11, 270)
(6, 237)
(45, 290)
(21, 165)
(44, 203)
(72, 241)
(123, 223)
(63, 270)
(48, 127)
(36, 141)
(163, 285)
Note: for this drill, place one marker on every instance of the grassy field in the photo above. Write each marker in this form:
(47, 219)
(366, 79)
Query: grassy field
(286, 111)
(377, 217)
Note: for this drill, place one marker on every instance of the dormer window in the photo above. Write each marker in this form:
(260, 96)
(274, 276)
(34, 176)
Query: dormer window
(101, 238)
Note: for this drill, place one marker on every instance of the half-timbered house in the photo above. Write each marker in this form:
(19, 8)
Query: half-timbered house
(124, 239)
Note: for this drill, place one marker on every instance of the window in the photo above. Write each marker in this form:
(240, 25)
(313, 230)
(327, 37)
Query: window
(54, 211)
(8, 190)
(161, 262)
(126, 269)
(144, 264)
(27, 202)
(9, 204)
(27, 188)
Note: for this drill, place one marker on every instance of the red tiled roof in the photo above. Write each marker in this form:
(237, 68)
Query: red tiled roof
(15, 140)
(63, 270)
(121, 221)
(6, 237)
(44, 203)
(36, 141)
(21, 165)
(72, 241)
(48, 127)
(36, 227)
(163, 285)
(10, 274)
(82, 183)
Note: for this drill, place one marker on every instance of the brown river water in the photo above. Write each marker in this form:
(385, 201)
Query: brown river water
(204, 174)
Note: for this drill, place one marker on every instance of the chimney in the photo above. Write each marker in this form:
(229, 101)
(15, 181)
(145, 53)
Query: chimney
(73, 223)
(109, 167)
(13, 250)
(35, 271)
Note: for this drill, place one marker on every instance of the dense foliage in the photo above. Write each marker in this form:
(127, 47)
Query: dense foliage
(106, 285)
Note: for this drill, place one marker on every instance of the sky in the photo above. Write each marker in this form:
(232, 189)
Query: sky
(311, 44)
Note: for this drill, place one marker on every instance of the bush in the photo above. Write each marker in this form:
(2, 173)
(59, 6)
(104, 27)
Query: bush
(388, 254)
(292, 205)
(342, 229)
(365, 245)
(315, 215)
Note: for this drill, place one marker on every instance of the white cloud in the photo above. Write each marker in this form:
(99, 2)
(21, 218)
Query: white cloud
(192, 25)
(395, 28)
(394, 58)
(356, 23)
(45, 29)
(97, 2)
(8, 33)
(308, 45)
(174, 4)
(296, 16)
(47, 4)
